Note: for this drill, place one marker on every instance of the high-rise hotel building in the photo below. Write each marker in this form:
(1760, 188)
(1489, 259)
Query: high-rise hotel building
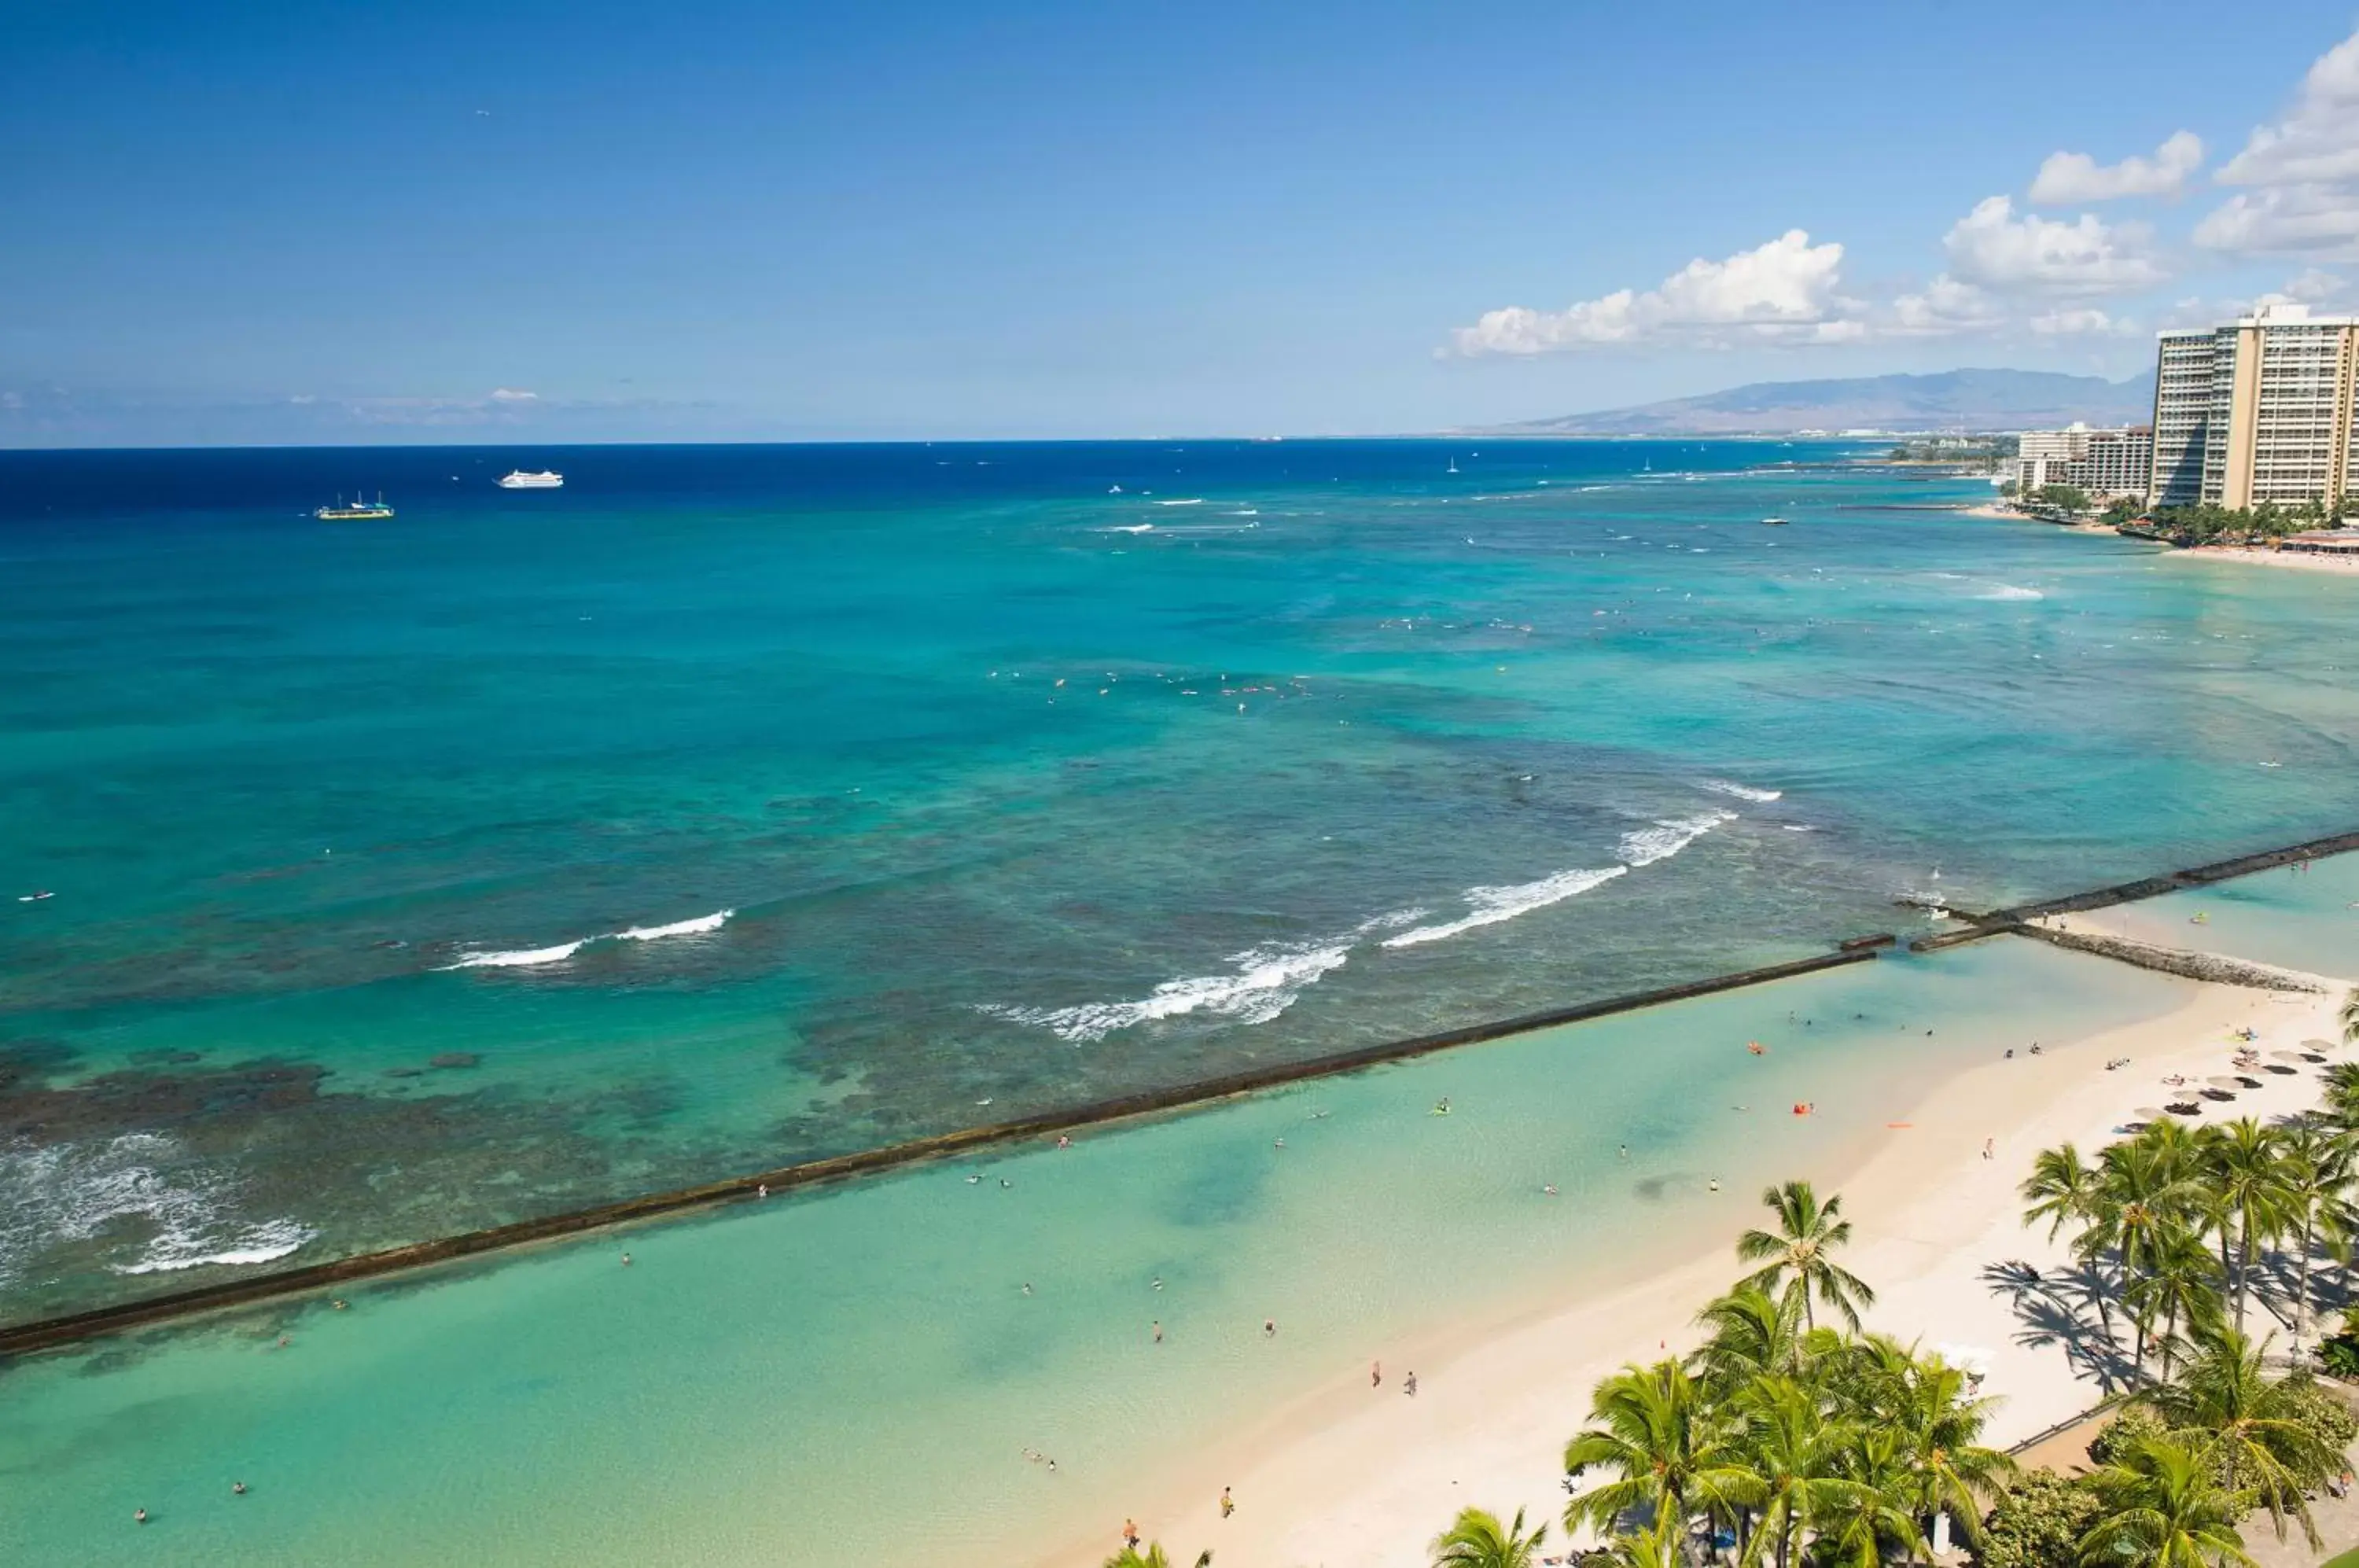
(2257, 410)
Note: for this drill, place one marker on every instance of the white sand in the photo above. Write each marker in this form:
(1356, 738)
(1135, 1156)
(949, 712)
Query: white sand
(2300, 561)
(1366, 1477)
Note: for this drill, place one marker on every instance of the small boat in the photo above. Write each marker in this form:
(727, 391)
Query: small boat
(1774, 522)
(360, 511)
(1453, 463)
(518, 479)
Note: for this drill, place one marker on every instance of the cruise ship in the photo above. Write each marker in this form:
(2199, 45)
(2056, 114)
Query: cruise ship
(518, 479)
(360, 511)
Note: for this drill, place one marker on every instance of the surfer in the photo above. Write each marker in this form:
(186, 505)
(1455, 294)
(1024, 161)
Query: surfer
(1441, 1106)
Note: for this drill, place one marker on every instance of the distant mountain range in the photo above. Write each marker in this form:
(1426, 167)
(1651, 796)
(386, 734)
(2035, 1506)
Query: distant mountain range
(1950, 400)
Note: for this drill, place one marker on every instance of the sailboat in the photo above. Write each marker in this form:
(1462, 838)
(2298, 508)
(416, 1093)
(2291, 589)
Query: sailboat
(1454, 462)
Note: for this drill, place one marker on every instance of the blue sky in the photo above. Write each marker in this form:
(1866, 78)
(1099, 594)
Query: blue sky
(431, 220)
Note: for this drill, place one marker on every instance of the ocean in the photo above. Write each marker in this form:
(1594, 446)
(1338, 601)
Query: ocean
(738, 805)
(733, 806)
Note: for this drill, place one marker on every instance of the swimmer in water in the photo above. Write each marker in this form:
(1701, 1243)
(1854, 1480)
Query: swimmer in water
(1441, 1106)
(1003, 1182)
(1548, 1188)
(1157, 1283)
(237, 1489)
(1027, 1287)
(139, 1516)
(627, 1263)
(1157, 1326)
(1269, 1328)
(1280, 1144)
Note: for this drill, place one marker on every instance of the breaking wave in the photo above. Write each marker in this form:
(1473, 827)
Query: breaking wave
(1741, 791)
(530, 957)
(1644, 847)
(1492, 905)
(2007, 594)
(77, 1191)
(1263, 983)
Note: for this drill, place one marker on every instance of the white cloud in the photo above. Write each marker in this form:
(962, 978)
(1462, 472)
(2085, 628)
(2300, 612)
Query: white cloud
(1788, 290)
(2312, 287)
(2070, 176)
(2318, 140)
(2303, 171)
(507, 395)
(1946, 307)
(2296, 219)
(1993, 248)
(2081, 320)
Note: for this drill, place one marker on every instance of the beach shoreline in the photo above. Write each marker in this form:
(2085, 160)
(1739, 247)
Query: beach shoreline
(1352, 1474)
(2300, 561)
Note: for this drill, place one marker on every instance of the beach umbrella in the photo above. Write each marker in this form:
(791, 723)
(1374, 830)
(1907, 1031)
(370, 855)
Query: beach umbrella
(2149, 1113)
(2225, 1082)
(2285, 1055)
(2319, 1044)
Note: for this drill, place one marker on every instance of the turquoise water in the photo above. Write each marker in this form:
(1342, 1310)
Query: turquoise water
(855, 1375)
(1013, 791)
(2305, 918)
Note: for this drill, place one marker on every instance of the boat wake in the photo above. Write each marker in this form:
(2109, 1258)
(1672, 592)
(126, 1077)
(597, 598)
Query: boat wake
(533, 957)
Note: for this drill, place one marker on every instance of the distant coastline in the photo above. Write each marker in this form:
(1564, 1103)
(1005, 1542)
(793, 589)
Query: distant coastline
(2299, 560)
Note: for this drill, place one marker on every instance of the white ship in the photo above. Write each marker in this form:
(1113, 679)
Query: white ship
(518, 479)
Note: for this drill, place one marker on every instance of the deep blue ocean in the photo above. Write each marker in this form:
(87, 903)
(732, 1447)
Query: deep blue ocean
(737, 805)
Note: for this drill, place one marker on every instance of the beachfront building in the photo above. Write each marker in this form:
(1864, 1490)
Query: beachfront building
(2260, 409)
(2103, 463)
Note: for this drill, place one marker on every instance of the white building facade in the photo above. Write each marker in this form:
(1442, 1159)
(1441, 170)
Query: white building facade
(2103, 463)
(2256, 411)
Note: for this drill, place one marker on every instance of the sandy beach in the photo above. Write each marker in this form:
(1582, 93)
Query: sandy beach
(2300, 561)
(1365, 1476)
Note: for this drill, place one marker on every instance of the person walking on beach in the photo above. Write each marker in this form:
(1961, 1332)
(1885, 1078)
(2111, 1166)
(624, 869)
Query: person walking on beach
(1375, 1373)
(1130, 1533)
(1228, 1503)
(1409, 1385)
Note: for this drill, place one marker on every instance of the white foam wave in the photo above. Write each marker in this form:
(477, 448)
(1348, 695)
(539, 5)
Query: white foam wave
(1129, 528)
(521, 958)
(1742, 791)
(696, 927)
(1644, 847)
(1190, 501)
(531, 957)
(79, 1191)
(2007, 594)
(264, 1243)
(1263, 983)
(1489, 905)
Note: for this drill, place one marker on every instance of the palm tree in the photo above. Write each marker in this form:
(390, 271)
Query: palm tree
(2180, 1285)
(2162, 1510)
(1665, 1444)
(2316, 1169)
(2063, 1189)
(1857, 1527)
(1654, 1545)
(2246, 1429)
(2144, 1189)
(1797, 1461)
(2351, 1018)
(1806, 1235)
(1153, 1557)
(1753, 1332)
(2342, 1083)
(1936, 1423)
(1478, 1540)
(2243, 1165)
